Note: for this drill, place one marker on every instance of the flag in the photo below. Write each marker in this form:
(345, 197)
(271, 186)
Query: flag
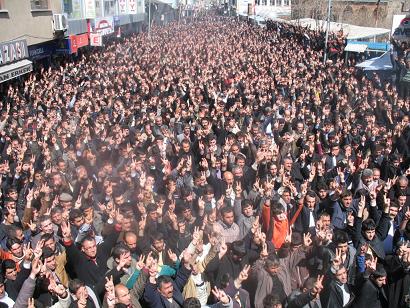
(119, 32)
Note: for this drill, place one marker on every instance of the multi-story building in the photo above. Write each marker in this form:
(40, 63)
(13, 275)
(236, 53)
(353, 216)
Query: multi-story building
(265, 8)
(36, 30)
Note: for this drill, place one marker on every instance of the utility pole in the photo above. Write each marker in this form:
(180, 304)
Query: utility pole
(149, 18)
(329, 9)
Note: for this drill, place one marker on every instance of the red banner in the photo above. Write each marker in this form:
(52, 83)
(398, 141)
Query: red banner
(78, 41)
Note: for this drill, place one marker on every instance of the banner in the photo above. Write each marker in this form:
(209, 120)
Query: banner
(95, 39)
(122, 7)
(132, 7)
(76, 9)
(77, 41)
(401, 27)
(89, 7)
(140, 6)
(104, 25)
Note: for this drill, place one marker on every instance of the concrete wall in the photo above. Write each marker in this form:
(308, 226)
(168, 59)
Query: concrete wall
(357, 12)
(19, 21)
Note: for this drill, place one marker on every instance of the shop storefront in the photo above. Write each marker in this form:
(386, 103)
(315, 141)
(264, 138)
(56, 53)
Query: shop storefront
(42, 53)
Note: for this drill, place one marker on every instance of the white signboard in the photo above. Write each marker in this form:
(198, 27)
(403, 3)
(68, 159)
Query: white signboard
(76, 12)
(89, 7)
(401, 27)
(140, 6)
(242, 6)
(132, 7)
(104, 25)
(15, 71)
(95, 39)
(122, 7)
(13, 51)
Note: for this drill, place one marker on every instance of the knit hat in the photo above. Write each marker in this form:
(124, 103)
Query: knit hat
(65, 197)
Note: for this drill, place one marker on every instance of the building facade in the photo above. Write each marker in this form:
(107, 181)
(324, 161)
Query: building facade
(37, 30)
(265, 8)
(370, 13)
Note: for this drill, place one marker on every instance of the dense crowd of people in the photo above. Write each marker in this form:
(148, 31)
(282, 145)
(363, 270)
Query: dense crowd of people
(212, 164)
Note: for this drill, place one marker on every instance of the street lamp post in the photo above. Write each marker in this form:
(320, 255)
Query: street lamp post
(329, 9)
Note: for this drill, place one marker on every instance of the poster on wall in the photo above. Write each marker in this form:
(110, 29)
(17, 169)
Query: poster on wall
(89, 7)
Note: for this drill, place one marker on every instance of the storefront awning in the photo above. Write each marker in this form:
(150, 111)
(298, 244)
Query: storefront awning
(14, 70)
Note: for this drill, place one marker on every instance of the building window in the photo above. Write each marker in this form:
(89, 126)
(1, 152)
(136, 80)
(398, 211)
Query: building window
(347, 14)
(39, 4)
(110, 7)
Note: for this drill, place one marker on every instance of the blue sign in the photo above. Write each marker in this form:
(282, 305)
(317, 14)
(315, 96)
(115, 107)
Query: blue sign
(43, 50)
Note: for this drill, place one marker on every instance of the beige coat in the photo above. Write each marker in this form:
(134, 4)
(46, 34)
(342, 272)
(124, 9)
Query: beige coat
(190, 288)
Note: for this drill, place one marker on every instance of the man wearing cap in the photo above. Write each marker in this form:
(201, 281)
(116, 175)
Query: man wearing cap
(366, 181)
(66, 201)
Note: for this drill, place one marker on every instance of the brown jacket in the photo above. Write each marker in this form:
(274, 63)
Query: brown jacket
(61, 261)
